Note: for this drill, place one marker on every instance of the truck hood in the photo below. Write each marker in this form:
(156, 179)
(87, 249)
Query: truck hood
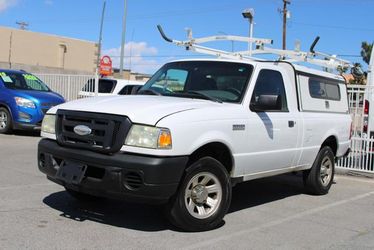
(142, 109)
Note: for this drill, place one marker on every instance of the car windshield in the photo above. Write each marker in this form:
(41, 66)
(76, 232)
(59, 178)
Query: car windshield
(211, 80)
(22, 81)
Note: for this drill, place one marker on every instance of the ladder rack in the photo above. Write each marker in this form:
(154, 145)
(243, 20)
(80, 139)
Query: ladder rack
(311, 57)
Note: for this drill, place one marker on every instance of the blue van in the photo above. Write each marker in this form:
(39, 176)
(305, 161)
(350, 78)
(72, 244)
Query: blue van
(24, 99)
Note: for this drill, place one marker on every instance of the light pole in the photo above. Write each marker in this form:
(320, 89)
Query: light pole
(249, 13)
(99, 51)
(123, 39)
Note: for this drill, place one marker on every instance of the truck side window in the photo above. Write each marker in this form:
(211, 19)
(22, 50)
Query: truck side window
(270, 84)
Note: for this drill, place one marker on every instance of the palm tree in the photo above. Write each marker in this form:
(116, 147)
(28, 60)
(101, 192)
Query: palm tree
(366, 51)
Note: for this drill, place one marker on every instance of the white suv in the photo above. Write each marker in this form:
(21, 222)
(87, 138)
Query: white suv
(195, 129)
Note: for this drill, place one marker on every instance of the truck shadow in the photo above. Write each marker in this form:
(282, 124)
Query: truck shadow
(110, 212)
(151, 218)
(262, 191)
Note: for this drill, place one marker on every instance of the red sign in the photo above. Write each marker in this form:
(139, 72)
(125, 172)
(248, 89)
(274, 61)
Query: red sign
(106, 66)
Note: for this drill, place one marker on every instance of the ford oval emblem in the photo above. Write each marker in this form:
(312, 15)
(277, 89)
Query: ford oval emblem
(82, 130)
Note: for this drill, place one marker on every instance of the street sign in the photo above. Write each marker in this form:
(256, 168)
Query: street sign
(106, 66)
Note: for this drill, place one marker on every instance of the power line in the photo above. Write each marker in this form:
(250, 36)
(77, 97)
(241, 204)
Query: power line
(349, 55)
(170, 56)
(157, 56)
(332, 26)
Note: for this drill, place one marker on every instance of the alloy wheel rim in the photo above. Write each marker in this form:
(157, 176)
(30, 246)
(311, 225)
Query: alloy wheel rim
(3, 120)
(203, 195)
(326, 170)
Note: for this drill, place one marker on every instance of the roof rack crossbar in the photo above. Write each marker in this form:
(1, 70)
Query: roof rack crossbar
(311, 57)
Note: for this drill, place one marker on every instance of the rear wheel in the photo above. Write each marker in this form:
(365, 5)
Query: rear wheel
(5, 121)
(203, 198)
(319, 178)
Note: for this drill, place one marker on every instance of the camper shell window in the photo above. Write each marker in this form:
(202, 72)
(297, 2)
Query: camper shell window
(323, 89)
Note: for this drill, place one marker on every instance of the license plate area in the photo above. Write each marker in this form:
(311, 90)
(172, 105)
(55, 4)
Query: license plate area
(71, 172)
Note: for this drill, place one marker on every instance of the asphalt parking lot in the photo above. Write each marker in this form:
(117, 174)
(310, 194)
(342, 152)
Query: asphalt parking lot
(265, 214)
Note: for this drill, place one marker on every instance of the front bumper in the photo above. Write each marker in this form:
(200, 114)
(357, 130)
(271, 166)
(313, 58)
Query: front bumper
(26, 126)
(29, 116)
(130, 177)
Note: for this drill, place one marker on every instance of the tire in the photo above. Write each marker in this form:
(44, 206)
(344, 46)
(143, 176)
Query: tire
(320, 177)
(6, 123)
(196, 207)
(81, 196)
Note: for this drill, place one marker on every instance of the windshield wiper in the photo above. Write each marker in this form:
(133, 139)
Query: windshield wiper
(205, 96)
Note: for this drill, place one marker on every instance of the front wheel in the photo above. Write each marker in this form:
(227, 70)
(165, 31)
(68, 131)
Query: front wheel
(320, 177)
(203, 198)
(5, 121)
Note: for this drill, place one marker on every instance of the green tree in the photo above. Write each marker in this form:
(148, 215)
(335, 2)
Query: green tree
(366, 51)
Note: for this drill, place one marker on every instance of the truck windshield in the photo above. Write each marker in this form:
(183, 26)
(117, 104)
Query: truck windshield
(211, 80)
(22, 81)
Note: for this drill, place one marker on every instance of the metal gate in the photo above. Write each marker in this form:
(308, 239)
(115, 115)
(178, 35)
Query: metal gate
(66, 85)
(361, 157)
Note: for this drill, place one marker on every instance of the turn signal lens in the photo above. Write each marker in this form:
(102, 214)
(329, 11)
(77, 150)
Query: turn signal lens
(164, 139)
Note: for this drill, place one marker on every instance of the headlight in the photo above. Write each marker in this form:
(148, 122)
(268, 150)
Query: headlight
(22, 102)
(48, 124)
(149, 137)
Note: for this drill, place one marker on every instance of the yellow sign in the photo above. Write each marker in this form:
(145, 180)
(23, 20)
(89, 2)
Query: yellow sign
(30, 77)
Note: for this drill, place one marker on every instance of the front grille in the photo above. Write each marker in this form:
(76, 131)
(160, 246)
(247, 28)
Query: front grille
(108, 132)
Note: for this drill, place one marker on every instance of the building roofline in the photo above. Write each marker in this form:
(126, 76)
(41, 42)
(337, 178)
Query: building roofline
(48, 34)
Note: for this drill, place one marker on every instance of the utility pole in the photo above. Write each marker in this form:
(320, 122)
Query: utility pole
(22, 25)
(100, 35)
(123, 39)
(99, 51)
(285, 16)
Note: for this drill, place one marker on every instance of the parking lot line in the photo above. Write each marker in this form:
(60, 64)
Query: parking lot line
(278, 222)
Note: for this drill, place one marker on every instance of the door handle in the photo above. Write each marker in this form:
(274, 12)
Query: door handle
(291, 124)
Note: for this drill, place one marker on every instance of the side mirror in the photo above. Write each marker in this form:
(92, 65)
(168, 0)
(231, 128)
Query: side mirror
(267, 103)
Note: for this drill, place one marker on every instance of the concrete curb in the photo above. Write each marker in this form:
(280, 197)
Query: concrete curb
(350, 172)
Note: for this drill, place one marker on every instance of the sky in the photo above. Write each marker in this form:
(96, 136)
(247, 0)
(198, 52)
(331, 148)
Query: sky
(341, 24)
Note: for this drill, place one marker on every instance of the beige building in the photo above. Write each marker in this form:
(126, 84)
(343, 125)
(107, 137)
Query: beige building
(133, 76)
(44, 53)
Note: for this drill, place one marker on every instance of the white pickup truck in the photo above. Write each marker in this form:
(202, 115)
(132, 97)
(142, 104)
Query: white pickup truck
(194, 130)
